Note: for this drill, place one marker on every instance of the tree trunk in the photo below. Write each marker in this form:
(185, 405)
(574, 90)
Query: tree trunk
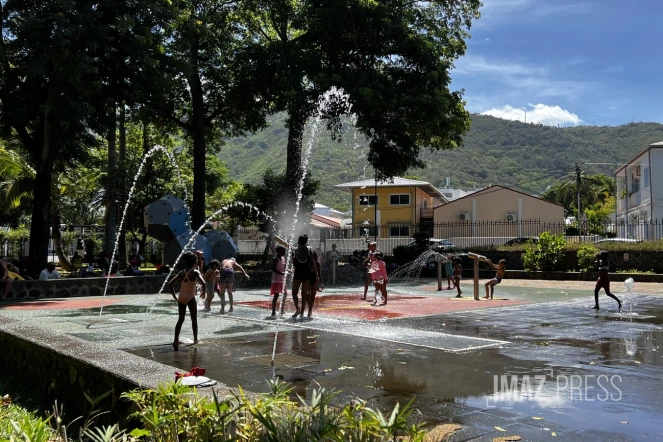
(198, 128)
(199, 151)
(41, 209)
(57, 238)
(111, 208)
(122, 247)
(294, 171)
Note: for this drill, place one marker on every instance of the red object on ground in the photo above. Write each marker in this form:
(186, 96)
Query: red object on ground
(59, 304)
(349, 305)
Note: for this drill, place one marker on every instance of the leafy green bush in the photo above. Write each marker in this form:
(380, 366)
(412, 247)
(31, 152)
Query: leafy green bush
(586, 257)
(174, 412)
(636, 271)
(548, 254)
(16, 239)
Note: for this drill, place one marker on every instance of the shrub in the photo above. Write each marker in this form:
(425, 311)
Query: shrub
(174, 412)
(586, 258)
(548, 254)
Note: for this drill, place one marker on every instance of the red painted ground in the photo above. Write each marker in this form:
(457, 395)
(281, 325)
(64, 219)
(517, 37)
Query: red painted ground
(58, 304)
(398, 306)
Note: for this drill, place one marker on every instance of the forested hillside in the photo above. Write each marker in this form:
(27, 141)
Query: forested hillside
(527, 156)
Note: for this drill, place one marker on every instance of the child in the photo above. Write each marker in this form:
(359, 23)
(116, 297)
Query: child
(190, 278)
(227, 281)
(212, 278)
(366, 265)
(458, 274)
(501, 270)
(278, 277)
(448, 269)
(380, 279)
(604, 280)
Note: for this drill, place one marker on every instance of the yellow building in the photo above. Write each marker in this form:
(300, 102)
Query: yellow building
(397, 207)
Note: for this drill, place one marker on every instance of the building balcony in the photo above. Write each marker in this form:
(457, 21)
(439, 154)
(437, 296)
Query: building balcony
(425, 214)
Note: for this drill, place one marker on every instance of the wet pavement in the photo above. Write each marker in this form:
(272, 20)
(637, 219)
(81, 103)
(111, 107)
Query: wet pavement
(549, 368)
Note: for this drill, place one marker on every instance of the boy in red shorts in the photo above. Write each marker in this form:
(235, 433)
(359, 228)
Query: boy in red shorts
(604, 280)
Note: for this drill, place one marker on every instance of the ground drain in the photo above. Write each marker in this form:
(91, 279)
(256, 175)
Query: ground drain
(283, 360)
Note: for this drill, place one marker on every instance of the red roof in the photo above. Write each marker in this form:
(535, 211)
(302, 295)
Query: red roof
(325, 221)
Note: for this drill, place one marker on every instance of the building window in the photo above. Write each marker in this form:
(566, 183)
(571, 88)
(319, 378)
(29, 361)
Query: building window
(368, 231)
(399, 231)
(635, 186)
(399, 200)
(368, 200)
(646, 172)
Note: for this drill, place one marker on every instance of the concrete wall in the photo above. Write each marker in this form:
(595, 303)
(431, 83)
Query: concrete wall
(69, 287)
(64, 368)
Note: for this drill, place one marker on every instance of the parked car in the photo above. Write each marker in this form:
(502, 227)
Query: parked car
(522, 240)
(439, 245)
(616, 240)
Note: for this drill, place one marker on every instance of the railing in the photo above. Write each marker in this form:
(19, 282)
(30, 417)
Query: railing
(466, 235)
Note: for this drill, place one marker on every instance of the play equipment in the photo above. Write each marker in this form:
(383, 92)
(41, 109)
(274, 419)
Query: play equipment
(167, 220)
(477, 259)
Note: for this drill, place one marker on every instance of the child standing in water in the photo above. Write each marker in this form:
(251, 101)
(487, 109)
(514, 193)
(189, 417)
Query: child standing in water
(449, 270)
(604, 280)
(366, 265)
(212, 278)
(458, 274)
(501, 271)
(379, 277)
(228, 280)
(190, 277)
(278, 277)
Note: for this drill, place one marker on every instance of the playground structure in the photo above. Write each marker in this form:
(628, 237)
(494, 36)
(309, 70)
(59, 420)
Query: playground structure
(476, 258)
(167, 220)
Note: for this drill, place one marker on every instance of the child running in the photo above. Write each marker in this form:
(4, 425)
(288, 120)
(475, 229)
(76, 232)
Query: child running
(458, 274)
(190, 277)
(227, 281)
(278, 277)
(501, 270)
(604, 281)
(449, 270)
(379, 277)
(212, 278)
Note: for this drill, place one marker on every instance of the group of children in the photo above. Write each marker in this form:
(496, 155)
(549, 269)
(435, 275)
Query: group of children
(219, 278)
(454, 272)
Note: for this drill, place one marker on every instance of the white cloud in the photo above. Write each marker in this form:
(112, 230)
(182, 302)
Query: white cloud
(537, 113)
(536, 81)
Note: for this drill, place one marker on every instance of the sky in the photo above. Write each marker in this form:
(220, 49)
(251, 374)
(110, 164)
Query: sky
(566, 62)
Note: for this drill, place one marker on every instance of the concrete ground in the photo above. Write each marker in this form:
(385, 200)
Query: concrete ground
(577, 374)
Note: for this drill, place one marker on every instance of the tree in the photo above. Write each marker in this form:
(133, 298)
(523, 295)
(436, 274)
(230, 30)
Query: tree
(580, 189)
(207, 79)
(46, 84)
(270, 199)
(393, 58)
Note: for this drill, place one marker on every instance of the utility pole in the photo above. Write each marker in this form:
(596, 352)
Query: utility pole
(578, 185)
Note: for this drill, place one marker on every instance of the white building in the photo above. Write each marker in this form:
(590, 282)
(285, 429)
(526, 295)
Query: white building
(640, 193)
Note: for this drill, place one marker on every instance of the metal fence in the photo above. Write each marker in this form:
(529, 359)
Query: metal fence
(465, 235)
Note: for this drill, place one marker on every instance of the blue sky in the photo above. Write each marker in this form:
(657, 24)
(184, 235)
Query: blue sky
(566, 62)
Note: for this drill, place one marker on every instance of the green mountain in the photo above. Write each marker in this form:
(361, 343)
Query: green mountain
(522, 155)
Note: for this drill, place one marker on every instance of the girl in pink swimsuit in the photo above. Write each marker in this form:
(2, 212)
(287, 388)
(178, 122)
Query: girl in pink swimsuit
(379, 275)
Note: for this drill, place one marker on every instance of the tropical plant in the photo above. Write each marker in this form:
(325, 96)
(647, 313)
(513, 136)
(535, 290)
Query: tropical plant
(547, 254)
(586, 257)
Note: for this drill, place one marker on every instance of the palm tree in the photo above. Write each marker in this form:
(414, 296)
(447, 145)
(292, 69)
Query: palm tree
(17, 184)
(580, 189)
